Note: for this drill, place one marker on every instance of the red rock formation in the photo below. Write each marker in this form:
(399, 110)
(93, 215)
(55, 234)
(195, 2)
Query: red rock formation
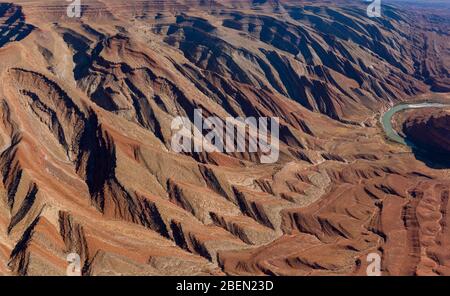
(85, 133)
(430, 130)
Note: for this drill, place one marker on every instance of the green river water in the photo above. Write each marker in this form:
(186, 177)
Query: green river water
(386, 119)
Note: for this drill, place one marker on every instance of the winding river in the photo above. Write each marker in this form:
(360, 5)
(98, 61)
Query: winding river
(386, 119)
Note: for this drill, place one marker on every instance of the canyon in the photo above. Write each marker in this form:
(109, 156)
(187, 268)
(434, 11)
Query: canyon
(429, 130)
(86, 106)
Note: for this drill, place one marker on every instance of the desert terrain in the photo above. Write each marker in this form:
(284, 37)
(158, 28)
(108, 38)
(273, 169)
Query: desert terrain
(86, 106)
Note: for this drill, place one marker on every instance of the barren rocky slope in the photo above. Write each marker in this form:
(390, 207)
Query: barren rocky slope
(430, 129)
(86, 108)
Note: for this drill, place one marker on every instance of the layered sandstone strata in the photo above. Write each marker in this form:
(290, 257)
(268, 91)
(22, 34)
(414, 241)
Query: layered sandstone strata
(85, 134)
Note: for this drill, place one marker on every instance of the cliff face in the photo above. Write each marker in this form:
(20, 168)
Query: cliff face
(430, 130)
(86, 164)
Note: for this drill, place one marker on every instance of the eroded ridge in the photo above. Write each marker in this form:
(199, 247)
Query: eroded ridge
(85, 134)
